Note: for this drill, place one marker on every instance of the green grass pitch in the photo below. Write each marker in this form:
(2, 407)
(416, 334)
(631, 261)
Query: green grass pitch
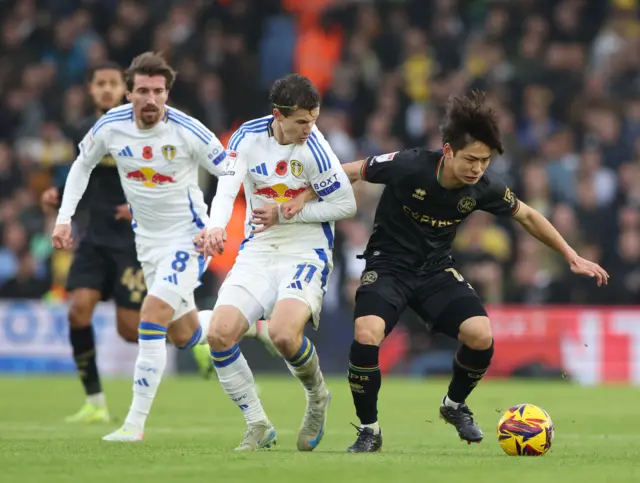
(193, 429)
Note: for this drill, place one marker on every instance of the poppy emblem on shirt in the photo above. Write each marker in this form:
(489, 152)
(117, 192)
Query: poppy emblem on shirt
(147, 152)
(281, 168)
(168, 151)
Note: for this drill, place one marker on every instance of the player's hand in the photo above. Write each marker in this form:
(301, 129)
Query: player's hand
(214, 241)
(123, 212)
(61, 238)
(292, 207)
(582, 266)
(198, 240)
(50, 199)
(266, 216)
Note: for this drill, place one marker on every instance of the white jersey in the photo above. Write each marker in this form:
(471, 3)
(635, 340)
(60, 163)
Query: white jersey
(271, 172)
(158, 169)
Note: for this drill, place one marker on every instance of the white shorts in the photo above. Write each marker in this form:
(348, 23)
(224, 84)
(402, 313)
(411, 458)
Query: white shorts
(172, 274)
(264, 281)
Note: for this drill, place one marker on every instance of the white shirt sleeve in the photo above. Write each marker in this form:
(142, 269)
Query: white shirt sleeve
(229, 182)
(209, 151)
(328, 179)
(92, 148)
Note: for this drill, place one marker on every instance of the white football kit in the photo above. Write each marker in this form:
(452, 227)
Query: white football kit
(158, 169)
(292, 259)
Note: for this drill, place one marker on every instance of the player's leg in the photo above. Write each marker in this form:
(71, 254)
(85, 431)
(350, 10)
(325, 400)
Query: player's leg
(171, 276)
(85, 283)
(456, 310)
(236, 309)
(302, 281)
(128, 290)
(375, 318)
(259, 330)
(288, 321)
(380, 299)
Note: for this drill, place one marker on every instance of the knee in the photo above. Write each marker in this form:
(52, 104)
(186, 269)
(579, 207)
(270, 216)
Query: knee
(475, 333)
(288, 342)
(369, 330)
(79, 315)
(223, 334)
(156, 310)
(127, 331)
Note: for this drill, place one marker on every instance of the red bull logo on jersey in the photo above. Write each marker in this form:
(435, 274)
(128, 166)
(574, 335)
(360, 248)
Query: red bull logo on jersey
(150, 177)
(279, 193)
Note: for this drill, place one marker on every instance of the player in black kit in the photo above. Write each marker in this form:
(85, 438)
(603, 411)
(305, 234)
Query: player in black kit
(427, 195)
(105, 264)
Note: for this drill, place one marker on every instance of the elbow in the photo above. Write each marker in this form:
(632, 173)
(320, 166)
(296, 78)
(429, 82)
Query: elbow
(350, 210)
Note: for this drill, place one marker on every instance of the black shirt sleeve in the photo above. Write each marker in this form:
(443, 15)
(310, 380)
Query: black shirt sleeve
(498, 198)
(390, 168)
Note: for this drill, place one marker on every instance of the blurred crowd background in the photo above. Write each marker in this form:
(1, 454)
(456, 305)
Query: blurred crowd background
(564, 76)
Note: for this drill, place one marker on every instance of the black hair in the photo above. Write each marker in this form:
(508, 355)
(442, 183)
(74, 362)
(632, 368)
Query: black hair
(294, 92)
(108, 65)
(469, 119)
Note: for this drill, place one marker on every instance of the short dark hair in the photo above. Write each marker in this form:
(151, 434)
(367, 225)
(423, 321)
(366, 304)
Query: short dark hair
(469, 119)
(151, 64)
(108, 65)
(294, 92)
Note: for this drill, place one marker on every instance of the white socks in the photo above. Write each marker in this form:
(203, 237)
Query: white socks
(150, 364)
(237, 381)
(449, 403)
(375, 427)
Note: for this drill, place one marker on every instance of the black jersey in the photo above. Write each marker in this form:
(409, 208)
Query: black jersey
(103, 195)
(417, 219)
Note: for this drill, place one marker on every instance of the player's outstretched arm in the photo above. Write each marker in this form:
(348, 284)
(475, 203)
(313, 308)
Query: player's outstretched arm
(537, 225)
(91, 151)
(292, 207)
(221, 208)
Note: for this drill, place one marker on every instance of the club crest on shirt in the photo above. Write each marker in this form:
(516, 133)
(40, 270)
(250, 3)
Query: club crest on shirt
(368, 277)
(296, 168)
(466, 204)
(169, 152)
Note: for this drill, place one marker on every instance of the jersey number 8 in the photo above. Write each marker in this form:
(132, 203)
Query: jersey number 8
(180, 263)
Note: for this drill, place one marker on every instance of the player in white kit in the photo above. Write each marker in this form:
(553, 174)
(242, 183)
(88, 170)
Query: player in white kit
(157, 150)
(282, 272)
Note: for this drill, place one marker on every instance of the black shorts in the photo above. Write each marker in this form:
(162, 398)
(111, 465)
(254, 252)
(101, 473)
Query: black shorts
(441, 297)
(114, 271)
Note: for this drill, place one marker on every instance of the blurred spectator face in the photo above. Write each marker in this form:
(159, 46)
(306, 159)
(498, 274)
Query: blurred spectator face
(107, 88)
(530, 46)
(27, 267)
(590, 161)
(537, 185)
(148, 96)
(5, 158)
(65, 33)
(469, 163)
(564, 220)
(629, 218)
(210, 88)
(15, 237)
(496, 22)
(630, 245)
(297, 127)
(586, 193)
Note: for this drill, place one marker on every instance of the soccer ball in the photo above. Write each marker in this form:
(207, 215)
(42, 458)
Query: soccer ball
(525, 430)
